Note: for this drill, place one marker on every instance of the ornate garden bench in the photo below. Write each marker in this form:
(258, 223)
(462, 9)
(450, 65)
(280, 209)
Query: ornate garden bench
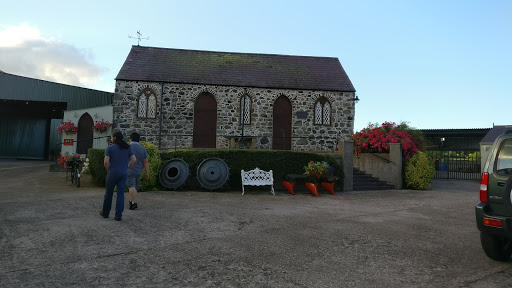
(257, 177)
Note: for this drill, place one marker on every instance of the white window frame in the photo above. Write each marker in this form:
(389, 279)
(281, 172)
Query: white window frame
(245, 115)
(322, 112)
(147, 104)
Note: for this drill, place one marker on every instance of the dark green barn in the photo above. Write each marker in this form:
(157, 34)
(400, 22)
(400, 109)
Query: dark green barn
(31, 110)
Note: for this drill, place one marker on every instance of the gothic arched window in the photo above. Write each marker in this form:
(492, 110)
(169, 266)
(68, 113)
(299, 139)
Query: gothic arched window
(245, 109)
(146, 107)
(322, 112)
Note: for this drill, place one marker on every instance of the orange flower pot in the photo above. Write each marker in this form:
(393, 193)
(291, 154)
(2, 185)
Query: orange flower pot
(289, 186)
(312, 188)
(328, 186)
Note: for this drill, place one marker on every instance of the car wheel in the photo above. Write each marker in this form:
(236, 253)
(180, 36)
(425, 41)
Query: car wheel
(495, 246)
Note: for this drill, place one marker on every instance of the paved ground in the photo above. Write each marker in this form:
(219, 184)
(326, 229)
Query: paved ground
(52, 236)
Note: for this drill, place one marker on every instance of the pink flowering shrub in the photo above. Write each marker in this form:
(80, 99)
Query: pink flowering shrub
(67, 127)
(376, 139)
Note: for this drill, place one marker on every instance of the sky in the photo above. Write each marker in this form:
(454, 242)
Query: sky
(434, 64)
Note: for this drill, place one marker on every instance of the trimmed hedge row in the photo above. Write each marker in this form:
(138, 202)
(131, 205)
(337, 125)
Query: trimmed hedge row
(155, 163)
(280, 162)
(96, 167)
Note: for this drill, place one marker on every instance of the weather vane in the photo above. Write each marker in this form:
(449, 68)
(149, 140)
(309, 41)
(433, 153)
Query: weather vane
(139, 37)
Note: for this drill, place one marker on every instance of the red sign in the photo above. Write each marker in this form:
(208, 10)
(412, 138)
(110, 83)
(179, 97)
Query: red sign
(68, 142)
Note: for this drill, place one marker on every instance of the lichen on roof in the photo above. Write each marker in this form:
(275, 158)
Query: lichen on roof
(237, 69)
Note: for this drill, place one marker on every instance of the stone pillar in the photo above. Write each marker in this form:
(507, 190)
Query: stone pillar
(395, 156)
(346, 148)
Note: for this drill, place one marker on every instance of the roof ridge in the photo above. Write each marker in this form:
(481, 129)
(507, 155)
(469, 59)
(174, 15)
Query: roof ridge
(172, 65)
(242, 53)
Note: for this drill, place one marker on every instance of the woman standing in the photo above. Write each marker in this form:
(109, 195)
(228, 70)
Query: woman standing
(118, 158)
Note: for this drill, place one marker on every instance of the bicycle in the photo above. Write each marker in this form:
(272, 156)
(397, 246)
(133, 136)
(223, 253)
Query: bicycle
(74, 167)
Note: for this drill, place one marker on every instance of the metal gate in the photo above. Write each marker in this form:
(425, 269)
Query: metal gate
(456, 164)
(456, 152)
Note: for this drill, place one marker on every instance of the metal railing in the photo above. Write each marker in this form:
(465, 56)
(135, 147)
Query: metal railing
(455, 157)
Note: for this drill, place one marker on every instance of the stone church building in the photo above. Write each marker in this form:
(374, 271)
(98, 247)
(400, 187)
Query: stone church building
(180, 98)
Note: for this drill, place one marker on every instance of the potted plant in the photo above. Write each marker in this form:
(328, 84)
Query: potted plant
(67, 128)
(66, 160)
(320, 172)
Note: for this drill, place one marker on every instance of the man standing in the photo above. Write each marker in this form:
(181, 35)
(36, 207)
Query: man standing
(135, 171)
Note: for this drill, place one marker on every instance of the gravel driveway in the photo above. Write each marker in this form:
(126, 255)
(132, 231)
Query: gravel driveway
(52, 236)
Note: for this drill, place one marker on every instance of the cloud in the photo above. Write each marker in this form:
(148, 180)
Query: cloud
(24, 52)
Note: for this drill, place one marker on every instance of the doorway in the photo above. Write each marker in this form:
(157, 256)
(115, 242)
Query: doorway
(282, 124)
(205, 121)
(85, 134)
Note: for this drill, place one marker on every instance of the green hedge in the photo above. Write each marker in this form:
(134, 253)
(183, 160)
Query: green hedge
(280, 162)
(155, 162)
(98, 172)
(419, 171)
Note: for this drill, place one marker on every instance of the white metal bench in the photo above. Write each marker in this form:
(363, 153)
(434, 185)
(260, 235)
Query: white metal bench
(257, 177)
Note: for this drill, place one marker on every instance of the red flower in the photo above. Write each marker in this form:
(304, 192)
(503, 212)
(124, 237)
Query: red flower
(376, 138)
(67, 127)
(101, 126)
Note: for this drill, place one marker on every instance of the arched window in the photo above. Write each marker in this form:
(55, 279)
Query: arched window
(322, 112)
(142, 106)
(152, 106)
(146, 104)
(245, 109)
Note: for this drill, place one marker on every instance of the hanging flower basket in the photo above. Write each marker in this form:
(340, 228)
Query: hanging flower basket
(67, 128)
(101, 126)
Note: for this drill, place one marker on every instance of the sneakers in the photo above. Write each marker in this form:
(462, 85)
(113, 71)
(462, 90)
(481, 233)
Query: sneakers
(133, 206)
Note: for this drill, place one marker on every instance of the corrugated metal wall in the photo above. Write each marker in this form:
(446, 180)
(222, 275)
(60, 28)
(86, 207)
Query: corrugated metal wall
(23, 138)
(29, 131)
(55, 140)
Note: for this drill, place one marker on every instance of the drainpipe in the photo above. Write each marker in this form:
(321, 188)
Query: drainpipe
(243, 118)
(161, 115)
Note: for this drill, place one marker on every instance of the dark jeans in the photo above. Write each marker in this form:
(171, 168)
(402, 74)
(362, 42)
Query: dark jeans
(112, 181)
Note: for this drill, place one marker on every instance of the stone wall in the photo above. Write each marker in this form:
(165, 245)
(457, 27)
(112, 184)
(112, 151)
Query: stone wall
(173, 126)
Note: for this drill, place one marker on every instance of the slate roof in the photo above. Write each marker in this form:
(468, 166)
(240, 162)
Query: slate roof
(495, 132)
(234, 69)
